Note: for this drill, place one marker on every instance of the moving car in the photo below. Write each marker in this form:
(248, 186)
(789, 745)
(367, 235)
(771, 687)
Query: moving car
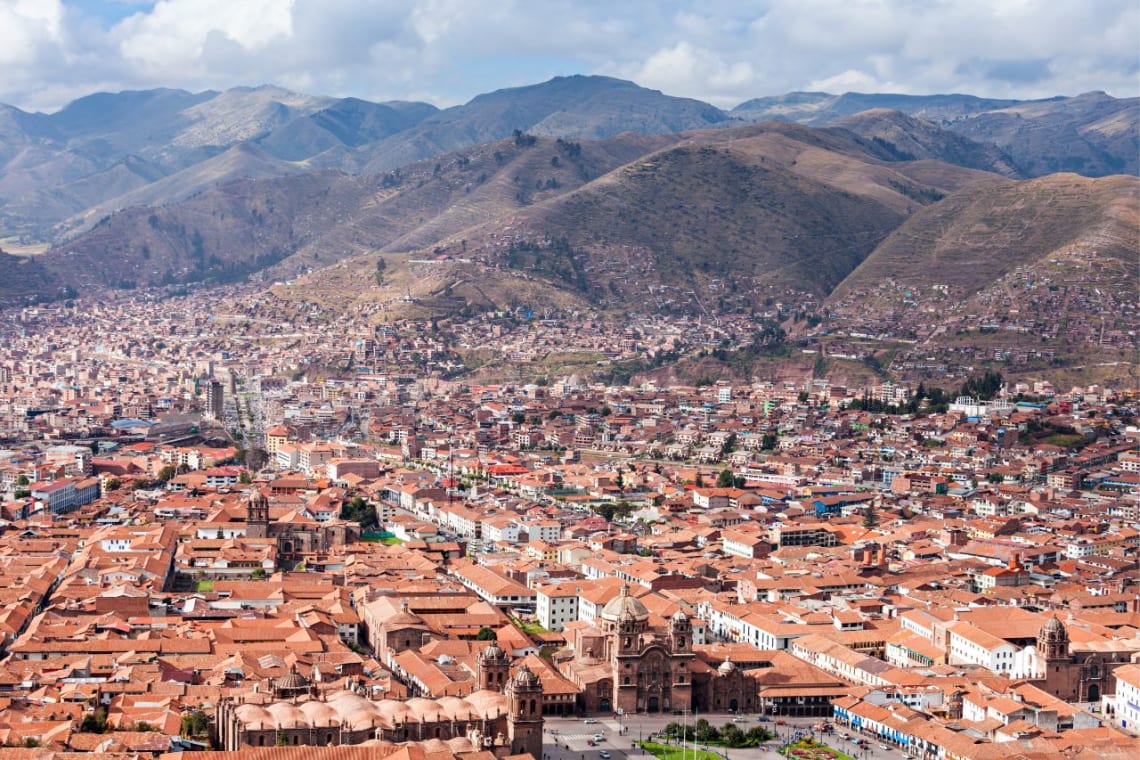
(589, 721)
(604, 754)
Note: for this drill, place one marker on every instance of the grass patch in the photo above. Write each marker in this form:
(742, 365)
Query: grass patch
(529, 628)
(392, 541)
(203, 586)
(1064, 441)
(674, 752)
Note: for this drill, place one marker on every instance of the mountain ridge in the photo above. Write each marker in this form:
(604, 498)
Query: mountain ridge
(176, 130)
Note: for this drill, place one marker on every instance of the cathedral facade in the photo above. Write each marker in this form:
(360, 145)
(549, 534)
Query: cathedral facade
(623, 664)
(1077, 673)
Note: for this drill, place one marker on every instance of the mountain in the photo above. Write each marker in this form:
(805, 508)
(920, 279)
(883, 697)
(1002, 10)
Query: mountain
(907, 138)
(578, 107)
(62, 172)
(1092, 134)
(983, 232)
(819, 109)
(312, 219)
(98, 141)
(706, 221)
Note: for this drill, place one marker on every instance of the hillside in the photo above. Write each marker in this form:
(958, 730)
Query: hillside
(310, 220)
(977, 235)
(702, 224)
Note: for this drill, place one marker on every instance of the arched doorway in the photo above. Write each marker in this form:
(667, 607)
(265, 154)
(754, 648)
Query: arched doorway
(654, 705)
(604, 704)
(1094, 693)
(733, 705)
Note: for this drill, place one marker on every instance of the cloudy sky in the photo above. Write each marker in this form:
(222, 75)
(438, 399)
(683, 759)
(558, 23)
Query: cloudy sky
(447, 51)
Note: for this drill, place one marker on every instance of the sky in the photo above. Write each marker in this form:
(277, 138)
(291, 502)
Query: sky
(447, 51)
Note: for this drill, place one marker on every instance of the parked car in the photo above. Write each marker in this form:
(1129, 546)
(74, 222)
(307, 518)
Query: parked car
(762, 718)
(781, 723)
(604, 754)
(599, 737)
(589, 721)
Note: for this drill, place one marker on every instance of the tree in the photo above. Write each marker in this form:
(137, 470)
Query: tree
(245, 477)
(732, 736)
(167, 473)
(729, 444)
(196, 723)
(725, 479)
(486, 634)
(518, 418)
(705, 731)
(22, 480)
(94, 723)
(114, 484)
(870, 517)
(256, 458)
(381, 268)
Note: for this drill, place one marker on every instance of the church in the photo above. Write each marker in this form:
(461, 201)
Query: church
(504, 716)
(296, 535)
(1078, 672)
(623, 664)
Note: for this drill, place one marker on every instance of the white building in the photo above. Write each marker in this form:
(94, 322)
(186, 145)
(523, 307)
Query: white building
(557, 604)
(1128, 696)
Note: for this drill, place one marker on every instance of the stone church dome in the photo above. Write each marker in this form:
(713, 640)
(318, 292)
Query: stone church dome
(624, 607)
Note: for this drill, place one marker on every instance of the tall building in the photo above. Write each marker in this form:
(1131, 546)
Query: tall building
(215, 398)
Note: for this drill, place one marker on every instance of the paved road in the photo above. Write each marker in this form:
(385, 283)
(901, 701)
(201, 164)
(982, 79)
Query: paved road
(566, 738)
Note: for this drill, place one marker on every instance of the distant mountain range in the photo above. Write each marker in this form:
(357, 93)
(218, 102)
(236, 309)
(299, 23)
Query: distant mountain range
(60, 173)
(581, 192)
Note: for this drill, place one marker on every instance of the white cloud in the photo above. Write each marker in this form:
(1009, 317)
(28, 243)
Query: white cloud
(723, 51)
(174, 35)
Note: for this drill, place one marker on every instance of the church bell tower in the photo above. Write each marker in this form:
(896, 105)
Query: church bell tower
(524, 713)
(257, 515)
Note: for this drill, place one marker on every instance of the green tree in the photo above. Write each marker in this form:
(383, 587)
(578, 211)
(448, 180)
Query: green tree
(705, 731)
(196, 723)
(732, 736)
(167, 473)
(870, 517)
(22, 480)
(95, 722)
(381, 268)
(725, 479)
(245, 477)
(486, 634)
(114, 484)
